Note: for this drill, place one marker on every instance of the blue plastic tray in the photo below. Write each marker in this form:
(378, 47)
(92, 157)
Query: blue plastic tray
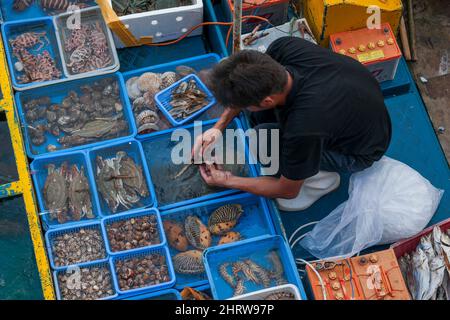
(51, 234)
(254, 222)
(90, 265)
(33, 11)
(255, 249)
(164, 97)
(40, 172)
(10, 30)
(108, 150)
(155, 157)
(57, 92)
(127, 216)
(163, 250)
(198, 63)
(169, 294)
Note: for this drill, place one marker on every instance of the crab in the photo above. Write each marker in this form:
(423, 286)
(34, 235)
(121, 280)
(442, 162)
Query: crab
(55, 192)
(29, 40)
(132, 174)
(105, 183)
(79, 198)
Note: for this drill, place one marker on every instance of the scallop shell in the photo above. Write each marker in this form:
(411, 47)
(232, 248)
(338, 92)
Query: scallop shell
(139, 103)
(148, 128)
(231, 236)
(149, 98)
(197, 233)
(189, 262)
(132, 88)
(184, 71)
(168, 78)
(147, 116)
(175, 235)
(224, 218)
(149, 81)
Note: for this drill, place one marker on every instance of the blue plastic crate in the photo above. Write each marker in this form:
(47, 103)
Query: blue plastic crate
(254, 222)
(255, 249)
(51, 234)
(134, 150)
(157, 148)
(39, 170)
(106, 264)
(35, 10)
(169, 294)
(164, 97)
(130, 215)
(10, 30)
(162, 250)
(57, 93)
(198, 63)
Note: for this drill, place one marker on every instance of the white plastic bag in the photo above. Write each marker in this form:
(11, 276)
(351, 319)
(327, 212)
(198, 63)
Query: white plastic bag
(387, 202)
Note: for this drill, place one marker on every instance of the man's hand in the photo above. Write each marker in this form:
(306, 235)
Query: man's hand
(214, 175)
(203, 141)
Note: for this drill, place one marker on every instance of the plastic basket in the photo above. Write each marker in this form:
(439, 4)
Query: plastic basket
(40, 172)
(130, 215)
(255, 221)
(157, 150)
(162, 250)
(57, 93)
(51, 234)
(106, 264)
(263, 294)
(35, 10)
(87, 16)
(10, 30)
(134, 150)
(169, 294)
(255, 249)
(164, 97)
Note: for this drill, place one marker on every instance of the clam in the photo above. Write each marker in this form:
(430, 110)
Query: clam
(197, 233)
(175, 235)
(189, 262)
(231, 236)
(224, 218)
(149, 81)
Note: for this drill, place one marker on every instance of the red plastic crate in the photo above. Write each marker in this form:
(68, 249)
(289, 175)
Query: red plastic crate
(408, 245)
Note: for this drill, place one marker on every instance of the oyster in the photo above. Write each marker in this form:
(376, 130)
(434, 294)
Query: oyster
(197, 233)
(224, 218)
(189, 262)
(175, 235)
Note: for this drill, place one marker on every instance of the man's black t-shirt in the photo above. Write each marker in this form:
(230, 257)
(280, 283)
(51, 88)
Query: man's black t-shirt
(335, 104)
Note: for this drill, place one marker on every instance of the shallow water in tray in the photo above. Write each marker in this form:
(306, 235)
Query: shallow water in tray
(172, 187)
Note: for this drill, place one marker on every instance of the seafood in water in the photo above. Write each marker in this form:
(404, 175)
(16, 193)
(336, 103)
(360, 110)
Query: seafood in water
(282, 295)
(197, 233)
(79, 196)
(231, 236)
(244, 267)
(189, 262)
(189, 293)
(224, 218)
(105, 183)
(421, 273)
(240, 288)
(21, 5)
(149, 81)
(262, 274)
(28, 40)
(225, 275)
(186, 99)
(175, 235)
(55, 192)
(132, 175)
(277, 270)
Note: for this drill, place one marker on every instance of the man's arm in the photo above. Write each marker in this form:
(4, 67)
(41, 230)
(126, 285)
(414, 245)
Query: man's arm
(226, 117)
(263, 186)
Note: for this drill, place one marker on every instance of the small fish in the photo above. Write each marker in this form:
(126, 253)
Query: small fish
(437, 271)
(421, 272)
(427, 247)
(407, 271)
(445, 246)
(437, 234)
(225, 275)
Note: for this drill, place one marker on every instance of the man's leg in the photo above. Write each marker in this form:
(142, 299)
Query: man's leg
(336, 162)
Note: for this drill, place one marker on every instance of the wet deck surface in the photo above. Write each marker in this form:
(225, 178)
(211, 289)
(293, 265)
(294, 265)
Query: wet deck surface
(432, 20)
(19, 277)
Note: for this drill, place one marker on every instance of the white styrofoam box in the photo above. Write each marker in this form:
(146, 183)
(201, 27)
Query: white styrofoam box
(264, 293)
(277, 32)
(89, 15)
(164, 24)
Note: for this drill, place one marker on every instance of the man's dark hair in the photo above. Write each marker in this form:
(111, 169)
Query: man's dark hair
(246, 78)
